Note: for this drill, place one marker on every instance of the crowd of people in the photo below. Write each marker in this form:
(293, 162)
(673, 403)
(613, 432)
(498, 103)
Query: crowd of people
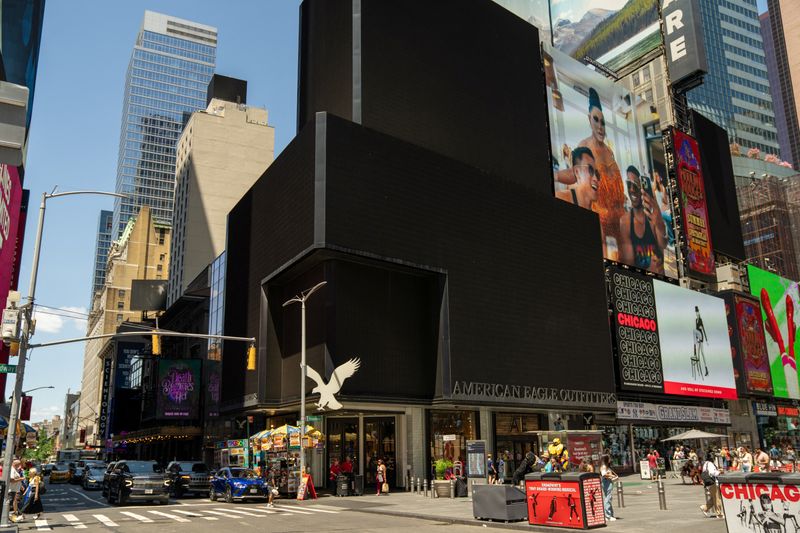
(25, 488)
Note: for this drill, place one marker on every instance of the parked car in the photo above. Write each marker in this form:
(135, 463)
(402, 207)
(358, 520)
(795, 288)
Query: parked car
(137, 480)
(107, 477)
(93, 476)
(237, 484)
(77, 472)
(60, 473)
(188, 477)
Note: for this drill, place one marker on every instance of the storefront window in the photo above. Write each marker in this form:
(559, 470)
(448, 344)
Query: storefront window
(449, 433)
(514, 437)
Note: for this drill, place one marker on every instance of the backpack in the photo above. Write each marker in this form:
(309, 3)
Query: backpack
(706, 476)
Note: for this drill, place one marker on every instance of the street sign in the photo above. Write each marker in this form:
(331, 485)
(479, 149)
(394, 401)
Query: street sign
(8, 369)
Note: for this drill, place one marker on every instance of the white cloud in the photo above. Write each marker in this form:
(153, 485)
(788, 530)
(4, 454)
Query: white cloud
(53, 320)
(43, 413)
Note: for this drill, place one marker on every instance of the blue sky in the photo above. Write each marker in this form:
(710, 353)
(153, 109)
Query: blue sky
(74, 139)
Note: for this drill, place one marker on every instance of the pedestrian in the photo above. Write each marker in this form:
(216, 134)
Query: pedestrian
(774, 457)
(745, 459)
(501, 470)
(652, 461)
(607, 479)
(34, 500)
(15, 485)
(693, 456)
(586, 465)
(491, 471)
(762, 460)
(380, 479)
(709, 475)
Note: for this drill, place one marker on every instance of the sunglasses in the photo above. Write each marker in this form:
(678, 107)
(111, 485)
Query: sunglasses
(592, 171)
(600, 120)
(634, 186)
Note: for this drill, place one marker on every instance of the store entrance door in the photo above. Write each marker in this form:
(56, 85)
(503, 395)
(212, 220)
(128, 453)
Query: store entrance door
(342, 442)
(379, 443)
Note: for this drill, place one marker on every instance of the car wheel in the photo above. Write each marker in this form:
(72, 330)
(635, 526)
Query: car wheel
(164, 501)
(228, 495)
(179, 492)
(121, 499)
(212, 495)
(110, 497)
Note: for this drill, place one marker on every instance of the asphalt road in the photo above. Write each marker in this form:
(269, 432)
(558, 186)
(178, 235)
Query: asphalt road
(69, 507)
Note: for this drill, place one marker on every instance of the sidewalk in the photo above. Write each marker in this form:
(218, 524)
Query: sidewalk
(641, 512)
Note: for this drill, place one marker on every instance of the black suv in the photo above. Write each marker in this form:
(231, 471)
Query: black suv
(109, 473)
(188, 477)
(137, 480)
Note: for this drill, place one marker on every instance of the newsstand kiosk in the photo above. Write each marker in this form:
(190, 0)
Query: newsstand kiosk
(572, 500)
(767, 502)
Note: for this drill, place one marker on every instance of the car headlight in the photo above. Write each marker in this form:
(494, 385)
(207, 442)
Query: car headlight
(128, 482)
(166, 483)
(186, 477)
(238, 485)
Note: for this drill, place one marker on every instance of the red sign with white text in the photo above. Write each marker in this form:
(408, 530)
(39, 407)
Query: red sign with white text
(593, 496)
(554, 503)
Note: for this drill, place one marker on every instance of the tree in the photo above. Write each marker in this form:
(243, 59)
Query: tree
(43, 449)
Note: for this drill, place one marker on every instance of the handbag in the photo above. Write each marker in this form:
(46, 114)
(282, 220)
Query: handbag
(385, 487)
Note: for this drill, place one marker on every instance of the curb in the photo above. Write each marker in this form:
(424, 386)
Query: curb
(517, 526)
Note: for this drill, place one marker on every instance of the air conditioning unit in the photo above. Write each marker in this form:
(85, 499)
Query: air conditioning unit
(729, 277)
(13, 119)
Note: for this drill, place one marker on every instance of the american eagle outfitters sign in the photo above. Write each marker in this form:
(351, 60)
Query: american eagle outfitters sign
(528, 395)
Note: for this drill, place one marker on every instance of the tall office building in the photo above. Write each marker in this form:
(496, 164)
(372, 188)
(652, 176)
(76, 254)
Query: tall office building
(104, 239)
(221, 153)
(736, 93)
(167, 79)
(781, 26)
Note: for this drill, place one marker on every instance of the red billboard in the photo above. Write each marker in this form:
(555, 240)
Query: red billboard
(748, 344)
(697, 250)
(554, 503)
(10, 242)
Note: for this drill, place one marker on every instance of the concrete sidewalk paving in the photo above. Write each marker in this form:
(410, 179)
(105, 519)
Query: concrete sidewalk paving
(641, 511)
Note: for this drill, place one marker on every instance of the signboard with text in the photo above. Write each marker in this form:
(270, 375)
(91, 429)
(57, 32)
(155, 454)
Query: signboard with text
(672, 413)
(476, 458)
(178, 389)
(553, 502)
(748, 345)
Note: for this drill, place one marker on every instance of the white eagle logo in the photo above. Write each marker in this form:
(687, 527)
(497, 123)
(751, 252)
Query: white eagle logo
(328, 390)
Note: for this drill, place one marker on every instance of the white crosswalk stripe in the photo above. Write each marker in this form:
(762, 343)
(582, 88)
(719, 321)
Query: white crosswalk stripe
(265, 511)
(41, 525)
(226, 515)
(75, 521)
(138, 517)
(106, 521)
(296, 511)
(168, 515)
(237, 512)
(318, 510)
(195, 515)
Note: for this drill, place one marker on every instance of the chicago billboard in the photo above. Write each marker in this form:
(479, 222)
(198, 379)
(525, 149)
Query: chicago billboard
(698, 252)
(779, 298)
(178, 395)
(695, 347)
(748, 345)
(601, 163)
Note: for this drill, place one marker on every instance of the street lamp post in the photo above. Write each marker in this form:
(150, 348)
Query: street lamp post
(301, 298)
(11, 433)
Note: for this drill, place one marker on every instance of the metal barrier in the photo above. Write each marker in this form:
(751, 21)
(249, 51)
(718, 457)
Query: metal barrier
(452, 488)
(662, 496)
(620, 494)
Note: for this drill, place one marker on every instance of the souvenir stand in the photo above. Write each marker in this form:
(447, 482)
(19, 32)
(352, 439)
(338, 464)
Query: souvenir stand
(280, 449)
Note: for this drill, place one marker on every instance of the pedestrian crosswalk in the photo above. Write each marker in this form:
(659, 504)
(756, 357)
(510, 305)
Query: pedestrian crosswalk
(173, 514)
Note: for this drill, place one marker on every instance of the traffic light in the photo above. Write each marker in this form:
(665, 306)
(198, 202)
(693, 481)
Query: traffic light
(251, 357)
(156, 345)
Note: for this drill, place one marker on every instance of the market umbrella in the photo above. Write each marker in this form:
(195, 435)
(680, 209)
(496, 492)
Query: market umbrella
(695, 434)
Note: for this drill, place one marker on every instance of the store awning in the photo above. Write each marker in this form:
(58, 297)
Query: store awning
(696, 434)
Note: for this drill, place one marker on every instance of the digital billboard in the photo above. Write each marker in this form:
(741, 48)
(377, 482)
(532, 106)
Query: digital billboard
(779, 298)
(601, 163)
(748, 345)
(636, 331)
(613, 32)
(695, 347)
(178, 389)
(699, 253)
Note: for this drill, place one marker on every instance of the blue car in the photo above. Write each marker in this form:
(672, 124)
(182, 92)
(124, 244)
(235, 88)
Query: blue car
(237, 484)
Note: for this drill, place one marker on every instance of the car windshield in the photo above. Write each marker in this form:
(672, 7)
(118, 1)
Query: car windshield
(142, 467)
(198, 468)
(96, 471)
(243, 472)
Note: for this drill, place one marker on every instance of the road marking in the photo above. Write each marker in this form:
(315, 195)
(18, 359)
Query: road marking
(237, 512)
(88, 498)
(317, 510)
(266, 511)
(293, 510)
(41, 525)
(138, 517)
(75, 520)
(105, 520)
(168, 515)
(330, 507)
(226, 515)
(189, 513)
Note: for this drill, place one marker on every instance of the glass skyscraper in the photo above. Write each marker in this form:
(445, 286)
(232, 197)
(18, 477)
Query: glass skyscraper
(736, 91)
(168, 75)
(104, 238)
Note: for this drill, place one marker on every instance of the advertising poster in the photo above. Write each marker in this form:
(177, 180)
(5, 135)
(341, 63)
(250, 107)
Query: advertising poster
(761, 507)
(476, 458)
(748, 345)
(126, 352)
(584, 445)
(614, 32)
(178, 391)
(692, 194)
(695, 346)
(536, 12)
(636, 335)
(554, 503)
(593, 496)
(600, 162)
(779, 300)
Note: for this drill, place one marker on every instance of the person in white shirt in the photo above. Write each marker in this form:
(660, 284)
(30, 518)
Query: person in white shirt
(15, 484)
(709, 475)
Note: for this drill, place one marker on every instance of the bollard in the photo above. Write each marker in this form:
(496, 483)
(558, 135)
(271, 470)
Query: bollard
(413, 483)
(433, 490)
(425, 487)
(419, 486)
(620, 494)
(452, 488)
(662, 496)
(408, 481)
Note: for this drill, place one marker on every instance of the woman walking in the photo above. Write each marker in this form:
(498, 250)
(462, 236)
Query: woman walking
(709, 476)
(607, 478)
(380, 479)
(34, 506)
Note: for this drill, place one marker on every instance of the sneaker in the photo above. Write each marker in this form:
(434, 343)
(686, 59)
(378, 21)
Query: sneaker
(270, 505)
(705, 513)
(610, 518)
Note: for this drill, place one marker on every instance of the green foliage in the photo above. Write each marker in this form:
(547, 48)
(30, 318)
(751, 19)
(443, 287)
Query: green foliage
(42, 451)
(635, 16)
(441, 466)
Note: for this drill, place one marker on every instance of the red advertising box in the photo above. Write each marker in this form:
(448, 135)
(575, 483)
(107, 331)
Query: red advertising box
(764, 502)
(572, 500)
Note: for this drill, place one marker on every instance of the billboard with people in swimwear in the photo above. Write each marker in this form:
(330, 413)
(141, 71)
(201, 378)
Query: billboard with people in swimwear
(603, 161)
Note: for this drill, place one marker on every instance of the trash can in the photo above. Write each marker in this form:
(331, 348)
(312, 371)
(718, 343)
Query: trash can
(342, 486)
(763, 501)
(498, 502)
(358, 485)
(461, 487)
(572, 500)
